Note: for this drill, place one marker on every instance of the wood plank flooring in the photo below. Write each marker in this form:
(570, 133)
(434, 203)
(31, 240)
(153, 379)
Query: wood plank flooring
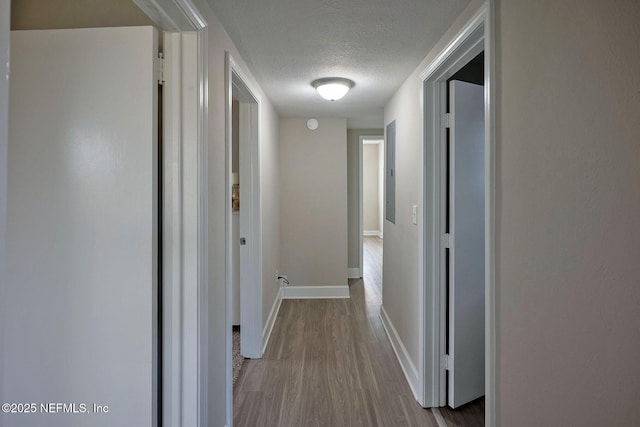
(330, 363)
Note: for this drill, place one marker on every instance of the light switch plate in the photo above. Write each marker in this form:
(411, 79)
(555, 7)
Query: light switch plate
(414, 214)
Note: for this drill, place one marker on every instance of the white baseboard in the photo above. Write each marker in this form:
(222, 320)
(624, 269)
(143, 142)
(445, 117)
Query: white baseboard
(355, 273)
(271, 320)
(409, 369)
(375, 233)
(315, 292)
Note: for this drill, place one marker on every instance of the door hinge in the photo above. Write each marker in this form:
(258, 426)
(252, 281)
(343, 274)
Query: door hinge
(446, 362)
(447, 120)
(160, 67)
(447, 240)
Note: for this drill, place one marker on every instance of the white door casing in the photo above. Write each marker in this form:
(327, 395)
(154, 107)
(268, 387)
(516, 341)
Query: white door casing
(477, 35)
(237, 87)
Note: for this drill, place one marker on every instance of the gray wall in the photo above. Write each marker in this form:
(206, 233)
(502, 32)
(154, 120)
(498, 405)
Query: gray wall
(51, 14)
(313, 183)
(353, 175)
(568, 203)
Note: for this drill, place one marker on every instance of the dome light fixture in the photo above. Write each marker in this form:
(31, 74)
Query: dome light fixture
(332, 88)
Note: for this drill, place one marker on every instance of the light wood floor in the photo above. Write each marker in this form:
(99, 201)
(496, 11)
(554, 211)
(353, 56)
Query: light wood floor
(330, 363)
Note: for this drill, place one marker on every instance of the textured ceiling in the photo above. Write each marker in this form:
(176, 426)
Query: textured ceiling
(376, 43)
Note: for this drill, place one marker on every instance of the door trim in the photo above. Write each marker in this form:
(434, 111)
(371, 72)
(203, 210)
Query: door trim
(185, 228)
(476, 36)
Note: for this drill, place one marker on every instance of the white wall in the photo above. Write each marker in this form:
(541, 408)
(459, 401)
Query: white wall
(568, 203)
(370, 187)
(218, 42)
(313, 209)
(400, 273)
(270, 190)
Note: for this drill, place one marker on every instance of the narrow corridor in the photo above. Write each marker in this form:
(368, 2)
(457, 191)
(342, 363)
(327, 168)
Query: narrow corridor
(330, 363)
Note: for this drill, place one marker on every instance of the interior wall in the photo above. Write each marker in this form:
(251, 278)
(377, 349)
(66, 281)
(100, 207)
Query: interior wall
(568, 203)
(218, 42)
(353, 192)
(52, 14)
(401, 290)
(270, 190)
(314, 201)
(370, 185)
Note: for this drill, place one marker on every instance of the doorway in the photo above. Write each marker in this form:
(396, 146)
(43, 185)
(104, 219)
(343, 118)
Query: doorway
(371, 161)
(463, 282)
(443, 268)
(244, 243)
(371, 201)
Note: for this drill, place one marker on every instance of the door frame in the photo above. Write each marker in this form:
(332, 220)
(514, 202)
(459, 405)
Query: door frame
(476, 36)
(185, 210)
(361, 140)
(236, 80)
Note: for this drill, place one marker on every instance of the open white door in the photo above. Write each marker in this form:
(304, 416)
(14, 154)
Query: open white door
(250, 274)
(82, 228)
(466, 277)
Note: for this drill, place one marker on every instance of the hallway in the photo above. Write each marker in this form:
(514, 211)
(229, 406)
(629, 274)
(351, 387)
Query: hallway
(330, 363)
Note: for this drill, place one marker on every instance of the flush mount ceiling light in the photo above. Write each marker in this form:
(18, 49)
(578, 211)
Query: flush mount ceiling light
(332, 88)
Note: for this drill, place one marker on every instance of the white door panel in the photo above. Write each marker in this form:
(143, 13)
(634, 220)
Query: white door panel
(82, 226)
(466, 281)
